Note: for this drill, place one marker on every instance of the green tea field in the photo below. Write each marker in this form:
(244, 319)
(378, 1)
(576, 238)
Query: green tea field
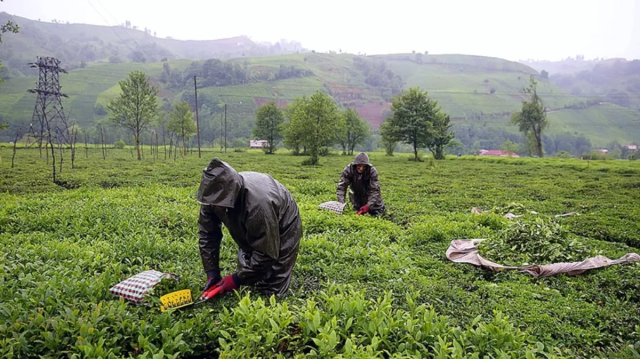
(363, 287)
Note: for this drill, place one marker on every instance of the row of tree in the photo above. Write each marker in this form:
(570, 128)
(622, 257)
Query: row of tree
(378, 74)
(137, 108)
(214, 72)
(310, 124)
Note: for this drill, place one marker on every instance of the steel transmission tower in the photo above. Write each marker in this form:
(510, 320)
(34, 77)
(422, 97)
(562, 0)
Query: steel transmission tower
(48, 111)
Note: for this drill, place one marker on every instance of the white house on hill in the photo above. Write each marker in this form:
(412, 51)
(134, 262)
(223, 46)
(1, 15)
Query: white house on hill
(258, 143)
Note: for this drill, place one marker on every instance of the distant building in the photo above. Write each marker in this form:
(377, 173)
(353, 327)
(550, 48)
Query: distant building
(602, 150)
(258, 144)
(499, 153)
(631, 147)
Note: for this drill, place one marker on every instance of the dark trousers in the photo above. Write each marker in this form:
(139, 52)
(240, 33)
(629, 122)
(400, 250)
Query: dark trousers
(374, 211)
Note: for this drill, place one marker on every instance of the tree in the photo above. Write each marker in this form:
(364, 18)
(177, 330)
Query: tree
(10, 26)
(292, 130)
(316, 121)
(181, 123)
(137, 56)
(136, 107)
(544, 74)
(269, 119)
(532, 120)
(509, 146)
(388, 139)
(617, 97)
(455, 146)
(412, 122)
(355, 131)
(440, 135)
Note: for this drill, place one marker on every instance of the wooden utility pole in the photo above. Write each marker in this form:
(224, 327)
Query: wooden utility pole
(195, 87)
(164, 144)
(225, 128)
(15, 144)
(74, 137)
(86, 146)
(104, 151)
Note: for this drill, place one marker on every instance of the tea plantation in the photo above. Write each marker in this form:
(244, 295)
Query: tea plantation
(363, 287)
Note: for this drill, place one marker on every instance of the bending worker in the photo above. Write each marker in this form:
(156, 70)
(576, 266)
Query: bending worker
(263, 220)
(364, 193)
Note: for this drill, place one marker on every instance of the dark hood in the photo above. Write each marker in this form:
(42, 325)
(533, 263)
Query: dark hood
(220, 185)
(361, 159)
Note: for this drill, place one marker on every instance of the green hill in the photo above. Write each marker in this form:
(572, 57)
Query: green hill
(602, 123)
(478, 92)
(473, 95)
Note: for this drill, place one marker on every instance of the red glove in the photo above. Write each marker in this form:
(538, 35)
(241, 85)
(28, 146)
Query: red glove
(363, 209)
(227, 284)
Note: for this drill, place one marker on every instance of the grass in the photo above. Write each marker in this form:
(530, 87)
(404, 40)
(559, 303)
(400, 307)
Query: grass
(362, 287)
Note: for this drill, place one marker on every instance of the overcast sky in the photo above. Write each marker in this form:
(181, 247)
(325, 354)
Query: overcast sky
(511, 29)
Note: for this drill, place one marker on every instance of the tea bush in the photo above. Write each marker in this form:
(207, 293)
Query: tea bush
(535, 241)
(362, 286)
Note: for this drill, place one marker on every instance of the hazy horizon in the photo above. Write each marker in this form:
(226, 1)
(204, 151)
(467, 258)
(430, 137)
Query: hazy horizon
(550, 31)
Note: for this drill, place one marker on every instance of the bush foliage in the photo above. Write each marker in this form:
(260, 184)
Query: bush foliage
(362, 287)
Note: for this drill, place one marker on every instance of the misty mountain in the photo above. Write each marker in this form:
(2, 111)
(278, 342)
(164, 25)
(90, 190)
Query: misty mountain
(79, 44)
(615, 81)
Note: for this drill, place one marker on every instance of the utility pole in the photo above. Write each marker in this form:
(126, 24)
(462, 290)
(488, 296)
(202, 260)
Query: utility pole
(225, 128)
(195, 87)
(48, 111)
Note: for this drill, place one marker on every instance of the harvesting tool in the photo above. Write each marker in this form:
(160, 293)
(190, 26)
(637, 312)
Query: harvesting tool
(182, 298)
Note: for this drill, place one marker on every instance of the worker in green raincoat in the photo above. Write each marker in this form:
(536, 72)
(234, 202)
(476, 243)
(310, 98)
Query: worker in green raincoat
(263, 220)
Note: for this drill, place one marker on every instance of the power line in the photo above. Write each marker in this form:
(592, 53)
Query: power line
(116, 20)
(109, 26)
(107, 11)
(113, 28)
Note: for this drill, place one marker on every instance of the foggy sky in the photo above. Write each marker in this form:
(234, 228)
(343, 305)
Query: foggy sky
(510, 29)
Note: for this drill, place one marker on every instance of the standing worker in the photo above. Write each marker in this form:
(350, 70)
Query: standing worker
(263, 220)
(364, 193)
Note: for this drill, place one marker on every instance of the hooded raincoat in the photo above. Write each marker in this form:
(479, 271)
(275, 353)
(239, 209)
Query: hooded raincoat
(262, 218)
(365, 188)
